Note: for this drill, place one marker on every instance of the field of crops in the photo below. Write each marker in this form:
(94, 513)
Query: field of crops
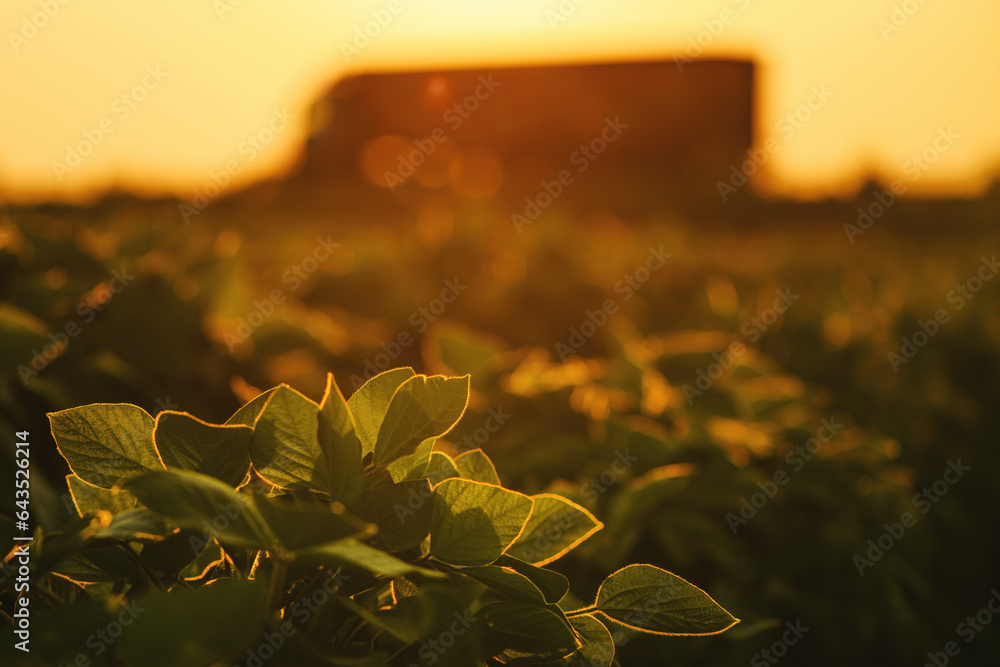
(798, 421)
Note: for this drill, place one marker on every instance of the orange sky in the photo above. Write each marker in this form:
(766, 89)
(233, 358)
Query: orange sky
(164, 93)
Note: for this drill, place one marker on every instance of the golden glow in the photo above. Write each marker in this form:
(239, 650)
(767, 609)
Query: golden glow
(231, 65)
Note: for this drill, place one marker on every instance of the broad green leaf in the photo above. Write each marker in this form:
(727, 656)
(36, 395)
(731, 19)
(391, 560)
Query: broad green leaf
(598, 647)
(188, 443)
(396, 624)
(89, 498)
(443, 616)
(646, 598)
(106, 443)
(369, 403)
(193, 500)
(69, 539)
(528, 631)
(210, 557)
(250, 413)
(553, 585)
(474, 523)
(507, 581)
(352, 553)
(109, 563)
(198, 627)
(135, 524)
(475, 465)
(402, 512)
(338, 439)
(298, 526)
(423, 407)
(555, 527)
(59, 635)
(439, 468)
(412, 466)
(184, 549)
(285, 446)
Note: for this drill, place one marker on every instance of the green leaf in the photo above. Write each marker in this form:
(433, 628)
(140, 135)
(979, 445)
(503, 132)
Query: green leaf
(135, 524)
(528, 631)
(250, 413)
(109, 563)
(200, 627)
(89, 498)
(193, 500)
(352, 553)
(507, 581)
(598, 647)
(474, 523)
(106, 443)
(553, 585)
(412, 466)
(368, 405)
(402, 512)
(285, 446)
(182, 550)
(475, 465)
(646, 598)
(298, 526)
(439, 468)
(338, 439)
(188, 443)
(396, 624)
(556, 526)
(423, 407)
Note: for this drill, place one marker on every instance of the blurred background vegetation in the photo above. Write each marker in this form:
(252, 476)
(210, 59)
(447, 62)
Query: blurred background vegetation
(298, 197)
(169, 340)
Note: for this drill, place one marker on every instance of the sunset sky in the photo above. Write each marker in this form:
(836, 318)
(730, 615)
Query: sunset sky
(168, 92)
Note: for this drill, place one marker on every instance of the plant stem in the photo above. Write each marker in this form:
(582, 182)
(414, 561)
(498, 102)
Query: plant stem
(581, 612)
(277, 585)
